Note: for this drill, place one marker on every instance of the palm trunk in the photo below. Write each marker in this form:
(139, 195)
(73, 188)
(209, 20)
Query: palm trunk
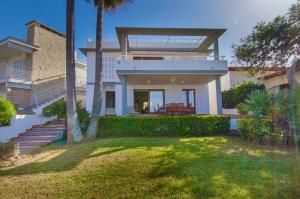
(97, 100)
(73, 129)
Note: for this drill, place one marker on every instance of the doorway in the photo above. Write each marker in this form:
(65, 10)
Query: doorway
(148, 101)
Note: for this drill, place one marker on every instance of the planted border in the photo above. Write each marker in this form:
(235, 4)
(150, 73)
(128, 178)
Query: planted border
(163, 126)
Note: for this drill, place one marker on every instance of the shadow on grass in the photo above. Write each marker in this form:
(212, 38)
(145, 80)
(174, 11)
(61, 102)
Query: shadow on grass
(197, 166)
(206, 171)
(68, 157)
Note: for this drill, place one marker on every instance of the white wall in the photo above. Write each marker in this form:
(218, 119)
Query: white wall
(108, 74)
(173, 94)
(234, 78)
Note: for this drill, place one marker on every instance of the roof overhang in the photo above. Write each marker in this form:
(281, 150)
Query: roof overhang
(210, 36)
(11, 47)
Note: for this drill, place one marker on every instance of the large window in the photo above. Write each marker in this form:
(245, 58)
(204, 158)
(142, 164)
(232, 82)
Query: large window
(188, 96)
(148, 101)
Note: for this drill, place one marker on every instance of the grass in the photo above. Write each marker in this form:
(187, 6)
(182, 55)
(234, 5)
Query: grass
(208, 167)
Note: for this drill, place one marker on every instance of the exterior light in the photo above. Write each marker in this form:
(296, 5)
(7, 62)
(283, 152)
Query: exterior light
(149, 82)
(173, 80)
(182, 82)
(8, 89)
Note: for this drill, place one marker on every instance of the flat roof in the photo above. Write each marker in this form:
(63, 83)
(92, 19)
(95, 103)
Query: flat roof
(209, 35)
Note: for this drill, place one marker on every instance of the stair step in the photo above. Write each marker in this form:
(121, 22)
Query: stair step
(35, 138)
(46, 129)
(49, 126)
(31, 143)
(40, 134)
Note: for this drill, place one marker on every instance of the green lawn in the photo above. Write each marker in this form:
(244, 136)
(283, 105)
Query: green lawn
(208, 167)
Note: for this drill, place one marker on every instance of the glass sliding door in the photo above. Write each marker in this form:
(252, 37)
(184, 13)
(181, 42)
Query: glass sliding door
(148, 101)
(156, 101)
(141, 104)
(188, 96)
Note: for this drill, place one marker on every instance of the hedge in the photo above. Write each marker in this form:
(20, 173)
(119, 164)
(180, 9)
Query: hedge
(239, 94)
(7, 111)
(260, 130)
(163, 126)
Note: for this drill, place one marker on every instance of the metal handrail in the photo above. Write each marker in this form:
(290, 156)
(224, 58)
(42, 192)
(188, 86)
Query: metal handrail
(42, 96)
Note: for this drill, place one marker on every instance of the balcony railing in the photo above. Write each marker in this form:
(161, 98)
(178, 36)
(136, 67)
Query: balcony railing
(171, 57)
(15, 76)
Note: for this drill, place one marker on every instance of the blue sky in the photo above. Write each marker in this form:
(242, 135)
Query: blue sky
(238, 16)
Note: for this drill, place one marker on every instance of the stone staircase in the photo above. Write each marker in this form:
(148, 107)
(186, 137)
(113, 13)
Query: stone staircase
(39, 135)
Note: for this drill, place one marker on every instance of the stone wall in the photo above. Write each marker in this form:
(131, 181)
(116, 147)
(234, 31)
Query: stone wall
(49, 62)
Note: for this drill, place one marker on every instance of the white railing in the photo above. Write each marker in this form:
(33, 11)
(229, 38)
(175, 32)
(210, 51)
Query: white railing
(15, 76)
(171, 57)
(47, 95)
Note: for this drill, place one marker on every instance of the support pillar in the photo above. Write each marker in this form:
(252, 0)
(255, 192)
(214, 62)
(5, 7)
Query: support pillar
(216, 49)
(124, 46)
(124, 94)
(219, 96)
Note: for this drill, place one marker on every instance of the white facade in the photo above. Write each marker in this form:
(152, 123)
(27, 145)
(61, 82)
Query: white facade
(171, 76)
(234, 78)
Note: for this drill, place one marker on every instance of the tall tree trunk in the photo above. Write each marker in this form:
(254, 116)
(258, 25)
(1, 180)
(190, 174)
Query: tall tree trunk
(291, 74)
(97, 99)
(73, 129)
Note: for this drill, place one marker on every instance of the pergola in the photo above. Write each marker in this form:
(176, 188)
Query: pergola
(168, 39)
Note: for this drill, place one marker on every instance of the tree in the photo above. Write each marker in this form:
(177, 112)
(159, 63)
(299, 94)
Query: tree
(73, 129)
(275, 43)
(102, 5)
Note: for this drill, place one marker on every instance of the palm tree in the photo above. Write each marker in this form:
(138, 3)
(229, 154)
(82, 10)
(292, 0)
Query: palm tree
(73, 129)
(102, 5)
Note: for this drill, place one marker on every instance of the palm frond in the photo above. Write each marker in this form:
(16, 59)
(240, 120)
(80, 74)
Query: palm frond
(111, 5)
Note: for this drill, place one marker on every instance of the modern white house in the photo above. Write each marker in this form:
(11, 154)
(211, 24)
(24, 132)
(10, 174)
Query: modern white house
(149, 68)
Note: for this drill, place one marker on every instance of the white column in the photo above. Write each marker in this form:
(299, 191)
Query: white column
(202, 100)
(124, 94)
(124, 46)
(216, 49)
(91, 56)
(219, 96)
(215, 96)
(118, 98)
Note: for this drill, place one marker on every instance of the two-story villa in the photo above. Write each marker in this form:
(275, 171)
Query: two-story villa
(149, 68)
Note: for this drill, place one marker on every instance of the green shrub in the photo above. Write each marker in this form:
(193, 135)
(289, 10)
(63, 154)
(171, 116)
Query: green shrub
(7, 151)
(163, 126)
(259, 103)
(59, 109)
(239, 94)
(7, 111)
(262, 131)
(56, 109)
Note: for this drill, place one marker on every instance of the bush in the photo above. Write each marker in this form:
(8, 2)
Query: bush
(239, 94)
(59, 109)
(7, 111)
(262, 131)
(163, 126)
(258, 104)
(7, 151)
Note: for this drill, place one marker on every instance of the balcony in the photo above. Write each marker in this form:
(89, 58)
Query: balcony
(172, 65)
(15, 75)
